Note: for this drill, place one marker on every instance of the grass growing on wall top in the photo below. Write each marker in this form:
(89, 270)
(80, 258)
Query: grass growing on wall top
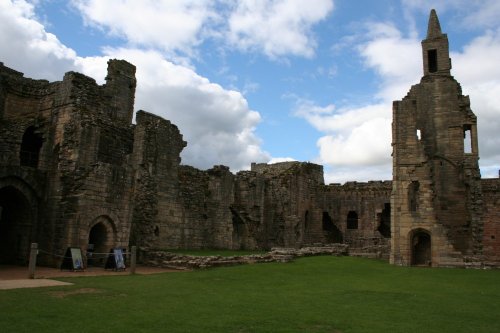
(315, 294)
(211, 252)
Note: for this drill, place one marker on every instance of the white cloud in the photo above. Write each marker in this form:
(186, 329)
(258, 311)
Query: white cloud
(27, 47)
(358, 138)
(275, 27)
(353, 137)
(281, 159)
(356, 145)
(396, 59)
(476, 67)
(278, 27)
(217, 123)
(167, 25)
(342, 174)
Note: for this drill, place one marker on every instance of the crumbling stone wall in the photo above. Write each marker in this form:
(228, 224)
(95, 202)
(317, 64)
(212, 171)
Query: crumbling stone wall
(75, 171)
(67, 139)
(360, 212)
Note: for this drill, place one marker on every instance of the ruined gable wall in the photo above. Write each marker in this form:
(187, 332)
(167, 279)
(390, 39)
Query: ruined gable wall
(447, 203)
(158, 213)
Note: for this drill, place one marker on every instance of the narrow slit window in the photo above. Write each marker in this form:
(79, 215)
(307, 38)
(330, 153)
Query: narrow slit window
(432, 60)
(419, 135)
(467, 139)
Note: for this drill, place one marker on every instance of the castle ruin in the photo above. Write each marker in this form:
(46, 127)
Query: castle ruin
(75, 171)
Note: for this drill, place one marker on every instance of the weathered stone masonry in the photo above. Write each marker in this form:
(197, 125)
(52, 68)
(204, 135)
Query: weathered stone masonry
(437, 202)
(75, 171)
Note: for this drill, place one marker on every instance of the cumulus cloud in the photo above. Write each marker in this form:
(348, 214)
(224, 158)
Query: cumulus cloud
(278, 27)
(356, 144)
(167, 25)
(476, 67)
(26, 45)
(395, 58)
(217, 123)
(275, 28)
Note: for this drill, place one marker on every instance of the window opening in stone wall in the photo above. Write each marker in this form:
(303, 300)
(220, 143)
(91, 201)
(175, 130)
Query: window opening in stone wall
(384, 226)
(30, 148)
(239, 230)
(330, 230)
(352, 220)
(467, 139)
(421, 249)
(413, 195)
(432, 60)
(419, 135)
(157, 231)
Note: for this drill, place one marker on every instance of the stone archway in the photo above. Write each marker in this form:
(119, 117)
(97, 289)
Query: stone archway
(16, 222)
(101, 238)
(421, 253)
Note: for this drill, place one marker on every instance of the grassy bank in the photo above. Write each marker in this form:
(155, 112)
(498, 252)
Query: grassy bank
(318, 294)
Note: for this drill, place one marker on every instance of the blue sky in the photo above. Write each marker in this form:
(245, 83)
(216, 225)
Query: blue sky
(265, 81)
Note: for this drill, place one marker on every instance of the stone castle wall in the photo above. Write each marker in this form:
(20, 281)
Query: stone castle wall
(75, 171)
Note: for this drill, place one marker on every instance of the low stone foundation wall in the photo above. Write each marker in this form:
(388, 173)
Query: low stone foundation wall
(186, 262)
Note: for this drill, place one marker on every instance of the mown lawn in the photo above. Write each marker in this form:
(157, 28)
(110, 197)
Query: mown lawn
(318, 294)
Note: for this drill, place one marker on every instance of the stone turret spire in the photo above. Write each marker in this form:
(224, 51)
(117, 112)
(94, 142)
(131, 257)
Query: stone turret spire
(433, 28)
(435, 51)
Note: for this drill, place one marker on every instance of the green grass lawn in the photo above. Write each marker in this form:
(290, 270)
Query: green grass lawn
(316, 294)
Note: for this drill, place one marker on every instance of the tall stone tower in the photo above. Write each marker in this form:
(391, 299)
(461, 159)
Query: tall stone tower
(436, 195)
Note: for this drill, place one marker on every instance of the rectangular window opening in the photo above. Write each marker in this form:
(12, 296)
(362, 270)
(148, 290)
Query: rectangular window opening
(419, 135)
(432, 60)
(467, 139)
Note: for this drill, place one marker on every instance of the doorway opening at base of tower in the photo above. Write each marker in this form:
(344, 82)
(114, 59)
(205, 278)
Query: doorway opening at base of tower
(421, 248)
(101, 241)
(331, 233)
(15, 226)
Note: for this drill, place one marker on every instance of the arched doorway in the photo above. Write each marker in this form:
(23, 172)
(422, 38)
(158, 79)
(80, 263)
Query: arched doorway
(421, 248)
(101, 241)
(15, 226)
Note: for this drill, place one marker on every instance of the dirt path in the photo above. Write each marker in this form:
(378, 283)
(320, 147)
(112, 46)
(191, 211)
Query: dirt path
(12, 277)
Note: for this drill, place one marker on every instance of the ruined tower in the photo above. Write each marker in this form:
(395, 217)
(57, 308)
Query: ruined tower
(436, 192)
